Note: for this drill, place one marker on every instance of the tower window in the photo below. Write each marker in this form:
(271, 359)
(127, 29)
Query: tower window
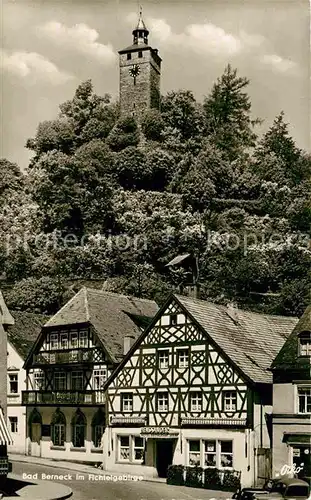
(129, 56)
(140, 54)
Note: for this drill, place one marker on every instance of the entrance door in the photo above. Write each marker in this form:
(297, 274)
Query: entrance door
(302, 458)
(164, 450)
(35, 439)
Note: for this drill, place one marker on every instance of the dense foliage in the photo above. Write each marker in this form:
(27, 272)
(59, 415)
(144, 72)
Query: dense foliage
(111, 202)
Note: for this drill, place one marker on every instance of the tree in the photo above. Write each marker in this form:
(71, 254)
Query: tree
(11, 179)
(152, 125)
(227, 114)
(181, 112)
(124, 134)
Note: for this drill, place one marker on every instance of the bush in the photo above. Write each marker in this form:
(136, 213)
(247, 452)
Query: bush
(194, 477)
(212, 479)
(175, 475)
(231, 481)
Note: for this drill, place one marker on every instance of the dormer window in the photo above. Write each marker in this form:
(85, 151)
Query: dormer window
(305, 343)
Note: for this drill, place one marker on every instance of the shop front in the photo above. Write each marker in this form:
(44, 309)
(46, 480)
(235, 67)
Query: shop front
(300, 452)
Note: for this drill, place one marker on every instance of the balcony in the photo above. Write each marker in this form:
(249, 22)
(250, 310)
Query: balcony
(80, 356)
(63, 398)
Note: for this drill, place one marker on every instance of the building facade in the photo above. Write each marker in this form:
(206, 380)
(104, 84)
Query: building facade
(21, 337)
(195, 390)
(140, 74)
(75, 353)
(292, 401)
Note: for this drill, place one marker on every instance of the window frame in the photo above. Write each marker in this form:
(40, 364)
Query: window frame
(131, 448)
(180, 352)
(126, 397)
(57, 377)
(305, 336)
(225, 394)
(166, 354)
(217, 453)
(13, 424)
(75, 378)
(39, 375)
(307, 399)
(83, 338)
(15, 381)
(54, 341)
(198, 396)
(159, 395)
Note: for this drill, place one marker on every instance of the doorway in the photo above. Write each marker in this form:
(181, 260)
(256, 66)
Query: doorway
(302, 459)
(164, 456)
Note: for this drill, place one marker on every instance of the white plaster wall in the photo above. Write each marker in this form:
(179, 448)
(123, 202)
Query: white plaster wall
(15, 408)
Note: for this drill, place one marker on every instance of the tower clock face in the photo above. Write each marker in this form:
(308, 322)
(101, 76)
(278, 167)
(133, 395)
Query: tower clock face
(134, 71)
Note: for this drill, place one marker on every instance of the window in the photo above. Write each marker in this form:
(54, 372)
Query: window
(58, 428)
(78, 430)
(162, 401)
(182, 358)
(54, 341)
(139, 448)
(74, 339)
(13, 383)
(99, 378)
(226, 454)
(195, 401)
(127, 402)
(98, 428)
(83, 338)
(124, 447)
(229, 401)
(129, 56)
(77, 381)
(304, 399)
(140, 54)
(194, 453)
(305, 343)
(60, 381)
(173, 319)
(209, 453)
(64, 340)
(131, 449)
(39, 380)
(13, 424)
(163, 359)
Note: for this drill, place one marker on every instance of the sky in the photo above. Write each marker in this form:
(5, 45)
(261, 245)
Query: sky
(50, 46)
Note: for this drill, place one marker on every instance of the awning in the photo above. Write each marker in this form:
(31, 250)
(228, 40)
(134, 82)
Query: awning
(5, 437)
(303, 438)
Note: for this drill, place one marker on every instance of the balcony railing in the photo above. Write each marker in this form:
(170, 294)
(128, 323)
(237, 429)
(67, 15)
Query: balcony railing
(68, 357)
(81, 398)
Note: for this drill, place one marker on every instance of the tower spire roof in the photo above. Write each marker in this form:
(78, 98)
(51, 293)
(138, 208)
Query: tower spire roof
(140, 33)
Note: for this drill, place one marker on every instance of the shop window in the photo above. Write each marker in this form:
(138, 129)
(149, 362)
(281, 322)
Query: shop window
(58, 428)
(78, 424)
(124, 448)
(226, 454)
(194, 453)
(211, 453)
(131, 449)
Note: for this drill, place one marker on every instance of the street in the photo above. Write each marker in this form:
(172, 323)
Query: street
(90, 489)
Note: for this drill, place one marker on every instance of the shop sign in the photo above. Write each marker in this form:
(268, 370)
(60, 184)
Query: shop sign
(158, 432)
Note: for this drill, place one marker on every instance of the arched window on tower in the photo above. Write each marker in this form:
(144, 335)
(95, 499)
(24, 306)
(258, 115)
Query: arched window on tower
(98, 428)
(78, 425)
(58, 428)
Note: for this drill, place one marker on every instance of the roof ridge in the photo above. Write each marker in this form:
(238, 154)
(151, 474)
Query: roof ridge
(115, 294)
(86, 304)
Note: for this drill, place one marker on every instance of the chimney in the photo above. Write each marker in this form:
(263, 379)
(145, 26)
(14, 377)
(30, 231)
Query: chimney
(232, 311)
(127, 343)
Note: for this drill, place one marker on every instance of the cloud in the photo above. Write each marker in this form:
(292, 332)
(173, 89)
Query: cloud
(32, 66)
(201, 38)
(79, 37)
(278, 63)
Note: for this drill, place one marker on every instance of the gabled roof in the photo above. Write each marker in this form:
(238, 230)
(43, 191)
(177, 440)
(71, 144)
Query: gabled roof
(288, 356)
(25, 331)
(112, 315)
(249, 340)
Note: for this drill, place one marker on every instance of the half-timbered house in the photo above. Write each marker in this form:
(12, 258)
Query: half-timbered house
(292, 402)
(77, 349)
(195, 389)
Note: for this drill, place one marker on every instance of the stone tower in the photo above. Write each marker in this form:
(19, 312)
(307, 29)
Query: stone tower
(140, 72)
